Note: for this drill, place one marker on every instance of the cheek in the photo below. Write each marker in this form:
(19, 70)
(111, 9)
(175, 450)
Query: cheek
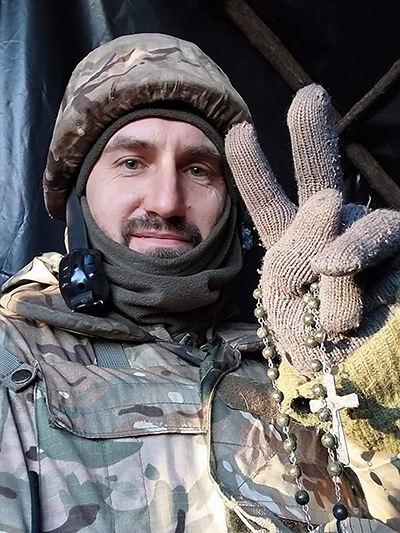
(207, 209)
(108, 208)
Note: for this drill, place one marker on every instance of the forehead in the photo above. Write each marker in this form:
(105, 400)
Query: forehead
(163, 132)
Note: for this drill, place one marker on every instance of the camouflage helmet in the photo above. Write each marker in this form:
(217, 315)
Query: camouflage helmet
(131, 71)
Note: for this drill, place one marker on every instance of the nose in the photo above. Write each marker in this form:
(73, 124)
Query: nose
(166, 197)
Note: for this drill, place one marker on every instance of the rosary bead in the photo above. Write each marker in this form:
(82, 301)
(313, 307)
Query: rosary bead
(316, 365)
(309, 320)
(319, 391)
(302, 497)
(310, 342)
(314, 286)
(320, 336)
(273, 373)
(313, 303)
(257, 294)
(290, 444)
(268, 352)
(262, 332)
(277, 395)
(307, 297)
(282, 420)
(340, 512)
(259, 312)
(328, 440)
(295, 471)
(324, 414)
(335, 469)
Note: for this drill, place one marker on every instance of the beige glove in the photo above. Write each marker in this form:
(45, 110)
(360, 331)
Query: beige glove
(307, 244)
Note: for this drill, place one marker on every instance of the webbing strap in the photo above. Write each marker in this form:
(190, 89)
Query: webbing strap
(14, 374)
(75, 223)
(110, 354)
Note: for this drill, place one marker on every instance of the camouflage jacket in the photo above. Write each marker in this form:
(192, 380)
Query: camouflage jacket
(182, 440)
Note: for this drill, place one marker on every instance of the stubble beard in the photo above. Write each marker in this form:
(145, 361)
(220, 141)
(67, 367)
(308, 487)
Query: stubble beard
(189, 232)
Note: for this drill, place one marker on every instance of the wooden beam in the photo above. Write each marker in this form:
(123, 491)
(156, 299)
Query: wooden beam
(269, 45)
(380, 89)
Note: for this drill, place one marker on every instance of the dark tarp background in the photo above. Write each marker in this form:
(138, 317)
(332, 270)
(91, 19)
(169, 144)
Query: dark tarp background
(345, 45)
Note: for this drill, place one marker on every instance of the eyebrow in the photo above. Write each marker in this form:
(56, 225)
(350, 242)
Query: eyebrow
(195, 151)
(203, 152)
(127, 143)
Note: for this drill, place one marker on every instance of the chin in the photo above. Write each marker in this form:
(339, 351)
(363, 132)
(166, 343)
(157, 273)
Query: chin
(165, 253)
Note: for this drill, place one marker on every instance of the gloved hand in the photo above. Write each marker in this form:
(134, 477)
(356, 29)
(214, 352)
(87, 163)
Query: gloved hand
(322, 239)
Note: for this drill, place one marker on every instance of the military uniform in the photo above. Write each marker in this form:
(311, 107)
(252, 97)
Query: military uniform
(182, 440)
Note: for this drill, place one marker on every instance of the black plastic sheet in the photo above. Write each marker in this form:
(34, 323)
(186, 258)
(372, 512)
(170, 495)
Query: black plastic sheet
(345, 45)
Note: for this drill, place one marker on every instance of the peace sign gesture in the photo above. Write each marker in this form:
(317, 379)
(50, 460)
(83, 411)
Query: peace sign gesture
(320, 239)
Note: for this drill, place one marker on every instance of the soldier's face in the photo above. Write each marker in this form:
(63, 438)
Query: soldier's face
(157, 187)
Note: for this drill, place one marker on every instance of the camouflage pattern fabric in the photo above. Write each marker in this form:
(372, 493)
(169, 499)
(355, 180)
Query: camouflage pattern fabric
(121, 75)
(255, 472)
(164, 445)
(379, 475)
(108, 483)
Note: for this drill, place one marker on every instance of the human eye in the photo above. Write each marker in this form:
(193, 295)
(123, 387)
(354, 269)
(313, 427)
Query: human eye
(199, 171)
(131, 164)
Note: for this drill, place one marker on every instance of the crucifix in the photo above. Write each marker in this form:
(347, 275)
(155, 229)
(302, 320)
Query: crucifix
(335, 403)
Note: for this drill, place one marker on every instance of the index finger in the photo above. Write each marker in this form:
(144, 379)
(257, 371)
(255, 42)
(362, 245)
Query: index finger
(268, 205)
(314, 142)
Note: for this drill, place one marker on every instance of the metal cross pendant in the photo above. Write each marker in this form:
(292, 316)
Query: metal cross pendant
(335, 403)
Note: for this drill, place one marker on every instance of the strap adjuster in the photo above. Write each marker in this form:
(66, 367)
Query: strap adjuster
(14, 374)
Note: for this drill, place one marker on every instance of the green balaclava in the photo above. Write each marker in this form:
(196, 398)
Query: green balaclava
(183, 293)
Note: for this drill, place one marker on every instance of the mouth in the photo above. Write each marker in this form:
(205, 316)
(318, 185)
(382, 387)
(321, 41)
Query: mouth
(161, 239)
(153, 235)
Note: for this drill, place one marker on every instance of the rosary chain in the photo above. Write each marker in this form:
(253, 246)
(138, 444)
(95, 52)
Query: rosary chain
(326, 369)
(268, 338)
(265, 333)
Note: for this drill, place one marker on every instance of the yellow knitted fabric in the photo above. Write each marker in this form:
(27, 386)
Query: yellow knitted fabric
(373, 372)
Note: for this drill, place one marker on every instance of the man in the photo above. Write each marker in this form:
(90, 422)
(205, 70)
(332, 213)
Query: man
(133, 401)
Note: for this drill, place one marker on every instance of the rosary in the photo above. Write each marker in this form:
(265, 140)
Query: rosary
(326, 403)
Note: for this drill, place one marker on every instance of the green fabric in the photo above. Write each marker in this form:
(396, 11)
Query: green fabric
(373, 372)
(184, 293)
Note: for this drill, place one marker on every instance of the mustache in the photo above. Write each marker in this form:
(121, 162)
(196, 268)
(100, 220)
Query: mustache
(190, 232)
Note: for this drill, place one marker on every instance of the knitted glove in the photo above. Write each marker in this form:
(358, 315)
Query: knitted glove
(322, 239)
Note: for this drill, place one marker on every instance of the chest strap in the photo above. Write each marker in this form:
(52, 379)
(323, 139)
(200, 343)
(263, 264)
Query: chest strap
(110, 354)
(14, 374)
